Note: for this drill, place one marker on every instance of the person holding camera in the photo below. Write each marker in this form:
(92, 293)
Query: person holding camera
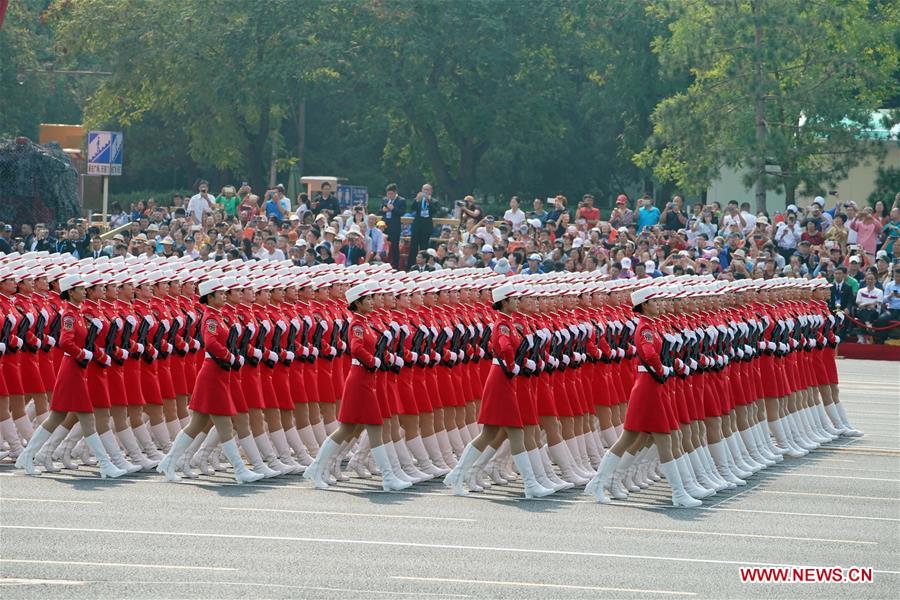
(393, 207)
(891, 312)
(422, 226)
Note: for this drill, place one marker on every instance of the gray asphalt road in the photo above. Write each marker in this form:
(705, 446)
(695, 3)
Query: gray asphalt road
(73, 536)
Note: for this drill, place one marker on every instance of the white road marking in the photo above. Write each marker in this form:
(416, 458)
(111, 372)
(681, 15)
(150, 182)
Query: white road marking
(111, 564)
(841, 496)
(740, 535)
(819, 476)
(8, 499)
(542, 585)
(345, 514)
(801, 514)
(24, 581)
(392, 544)
(296, 587)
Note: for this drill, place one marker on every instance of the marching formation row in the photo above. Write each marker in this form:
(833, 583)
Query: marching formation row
(171, 364)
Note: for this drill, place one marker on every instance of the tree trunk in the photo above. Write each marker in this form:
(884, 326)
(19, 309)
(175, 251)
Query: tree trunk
(257, 162)
(446, 182)
(300, 126)
(759, 158)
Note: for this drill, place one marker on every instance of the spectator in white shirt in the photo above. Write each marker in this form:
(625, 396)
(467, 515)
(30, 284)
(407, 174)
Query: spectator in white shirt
(487, 233)
(514, 216)
(269, 251)
(201, 203)
(749, 218)
(787, 235)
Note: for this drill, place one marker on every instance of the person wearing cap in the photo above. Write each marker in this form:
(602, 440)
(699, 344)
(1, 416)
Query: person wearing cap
(70, 393)
(534, 265)
(648, 408)
(359, 403)
(501, 406)
(212, 400)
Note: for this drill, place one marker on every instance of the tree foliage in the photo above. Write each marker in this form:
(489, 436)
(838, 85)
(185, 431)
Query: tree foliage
(816, 70)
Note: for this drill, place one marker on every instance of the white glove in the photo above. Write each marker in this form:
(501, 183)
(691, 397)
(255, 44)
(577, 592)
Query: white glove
(272, 356)
(343, 345)
(812, 343)
(339, 323)
(240, 360)
(693, 364)
(2, 347)
(782, 347)
(88, 355)
(762, 345)
(453, 356)
(405, 328)
(37, 345)
(837, 339)
(566, 360)
(268, 326)
(315, 351)
(281, 324)
(771, 346)
(107, 362)
(308, 320)
(448, 331)
(480, 352)
(630, 325)
(288, 356)
(97, 323)
(414, 357)
(388, 336)
(740, 352)
(620, 352)
(169, 348)
(131, 320)
(230, 359)
(437, 359)
(398, 362)
(719, 361)
(295, 322)
(515, 369)
(667, 371)
(530, 365)
(426, 359)
(257, 354)
(377, 362)
(30, 317)
(139, 348)
(748, 350)
(305, 352)
(679, 364)
(554, 362)
(195, 344)
(332, 352)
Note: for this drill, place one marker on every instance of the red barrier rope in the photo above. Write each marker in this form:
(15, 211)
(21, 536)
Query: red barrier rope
(858, 323)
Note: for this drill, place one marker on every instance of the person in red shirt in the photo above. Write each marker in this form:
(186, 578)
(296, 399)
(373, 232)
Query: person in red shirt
(588, 211)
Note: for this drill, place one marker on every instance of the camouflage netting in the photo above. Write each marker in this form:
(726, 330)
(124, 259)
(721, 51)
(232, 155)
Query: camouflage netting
(37, 183)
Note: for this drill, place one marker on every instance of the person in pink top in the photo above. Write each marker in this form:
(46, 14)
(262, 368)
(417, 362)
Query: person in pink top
(867, 229)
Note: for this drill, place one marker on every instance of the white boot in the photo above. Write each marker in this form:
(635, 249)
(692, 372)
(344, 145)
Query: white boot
(850, 431)
(268, 455)
(391, 452)
(160, 433)
(126, 436)
(24, 427)
(389, 481)
(115, 453)
(200, 460)
(9, 433)
(248, 444)
(783, 440)
(434, 453)
(475, 481)
(457, 476)
(835, 418)
(594, 450)
(689, 483)
(107, 469)
(406, 463)
(825, 423)
(680, 497)
(563, 459)
(601, 480)
(722, 459)
(558, 483)
(737, 464)
(711, 472)
(167, 465)
(443, 441)
(533, 489)
(308, 437)
(317, 471)
(279, 439)
(572, 445)
(241, 473)
(762, 445)
(753, 450)
(537, 467)
(296, 443)
(617, 488)
(44, 456)
(146, 441)
(700, 472)
(25, 460)
(173, 427)
(456, 443)
(423, 462)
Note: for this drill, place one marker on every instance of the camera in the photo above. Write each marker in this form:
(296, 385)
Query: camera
(460, 203)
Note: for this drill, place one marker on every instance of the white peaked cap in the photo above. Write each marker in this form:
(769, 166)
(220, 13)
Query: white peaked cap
(503, 292)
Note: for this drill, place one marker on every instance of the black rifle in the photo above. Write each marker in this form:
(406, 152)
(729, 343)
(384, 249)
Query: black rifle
(110, 345)
(401, 337)
(22, 332)
(170, 337)
(318, 332)
(303, 337)
(380, 347)
(418, 346)
(244, 342)
(439, 343)
(290, 343)
(334, 339)
(485, 342)
(55, 327)
(231, 345)
(142, 332)
(89, 342)
(5, 334)
(39, 326)
(156, 343)
(127, 329)
(276, 347)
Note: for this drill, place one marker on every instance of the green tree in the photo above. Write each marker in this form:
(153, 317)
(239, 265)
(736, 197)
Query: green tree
(783, 88)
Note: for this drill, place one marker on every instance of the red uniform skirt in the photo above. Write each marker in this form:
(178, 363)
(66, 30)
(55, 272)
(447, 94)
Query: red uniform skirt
(648, 410)
(434, 391)
(359, 404)
(311, 381)
(164, 373)
(526, 398)
(407, 401)
(419, 381)
(48, 370)
(830, 365)
(546, 401)
(30, 373)
(236, 388)
(134, 395)
(267, 387)
(70, 394)
(115, 381)
(97, 386)
(326, 385)
(298, 391)
(150, 384)
(212, 394)
(178, 367)
(11, 374)
(499, 405)
(281, 381)
(250, 386)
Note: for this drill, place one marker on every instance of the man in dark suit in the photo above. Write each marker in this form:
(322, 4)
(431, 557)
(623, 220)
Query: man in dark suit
(842, 297)
(392, 208)
(422, 226)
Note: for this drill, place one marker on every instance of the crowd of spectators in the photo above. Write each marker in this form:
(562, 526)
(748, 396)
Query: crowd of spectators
(855, 247)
